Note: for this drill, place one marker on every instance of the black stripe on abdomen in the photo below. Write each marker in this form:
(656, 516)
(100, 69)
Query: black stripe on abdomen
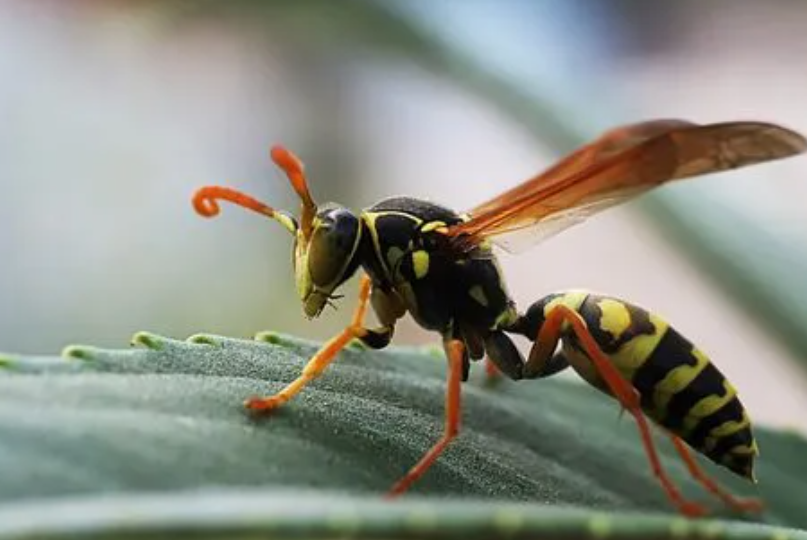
(732, 411)
(672, 351)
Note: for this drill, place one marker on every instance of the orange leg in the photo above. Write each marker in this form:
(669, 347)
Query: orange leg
(739, 504)
(321, 359)
(628, 397)
(455, 351)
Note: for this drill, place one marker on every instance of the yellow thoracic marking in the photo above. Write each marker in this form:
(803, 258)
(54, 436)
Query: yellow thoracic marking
(633, 354)
(433, 225)
(370, 219)
(677, 380)
(615, 317)
(508, 317)
(372, 216)
(725, 429)
(485, 245)
(478, 293)
(420, 263)
(707, 406)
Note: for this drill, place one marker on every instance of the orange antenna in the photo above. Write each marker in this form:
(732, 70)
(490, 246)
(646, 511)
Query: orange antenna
(206, 203)
(293, 168)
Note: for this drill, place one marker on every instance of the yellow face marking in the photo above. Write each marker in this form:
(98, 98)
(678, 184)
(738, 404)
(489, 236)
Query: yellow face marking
(286, 221)
(707, 406)
(633, 354)
(616, 317)
(433, 225)
(477, 293)
(678, 380)
(420, 263)
(302, 276)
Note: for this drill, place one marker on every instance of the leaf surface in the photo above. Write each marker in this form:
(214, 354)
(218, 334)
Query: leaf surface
(165, 420)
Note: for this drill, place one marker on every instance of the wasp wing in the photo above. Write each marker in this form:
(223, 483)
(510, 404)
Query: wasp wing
(620, 165)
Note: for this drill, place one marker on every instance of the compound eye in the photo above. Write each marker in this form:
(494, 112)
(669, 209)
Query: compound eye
(333, 244)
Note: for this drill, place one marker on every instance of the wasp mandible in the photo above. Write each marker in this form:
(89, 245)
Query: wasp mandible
(438, 265)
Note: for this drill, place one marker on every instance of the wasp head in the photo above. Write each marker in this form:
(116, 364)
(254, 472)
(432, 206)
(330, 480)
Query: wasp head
(327, 258)
(326, 240)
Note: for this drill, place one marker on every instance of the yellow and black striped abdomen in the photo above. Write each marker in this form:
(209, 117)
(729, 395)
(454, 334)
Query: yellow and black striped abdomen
(680, 388)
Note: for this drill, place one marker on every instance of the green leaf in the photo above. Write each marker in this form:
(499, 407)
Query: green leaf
(134, 441)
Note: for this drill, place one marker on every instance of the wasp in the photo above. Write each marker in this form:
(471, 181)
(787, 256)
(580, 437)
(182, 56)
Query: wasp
(439, 266)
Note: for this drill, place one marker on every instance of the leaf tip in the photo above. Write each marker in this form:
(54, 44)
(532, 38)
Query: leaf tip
(599, 525)
(6, 361)
(147, 340)
(508, 522)
(422, 521)
(269, 336)
(712, 529)
(78, 352)
(680, 527)
(203, 339)
(358, 345)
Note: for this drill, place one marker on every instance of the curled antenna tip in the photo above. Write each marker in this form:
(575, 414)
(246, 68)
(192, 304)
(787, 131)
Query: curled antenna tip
(205, 201)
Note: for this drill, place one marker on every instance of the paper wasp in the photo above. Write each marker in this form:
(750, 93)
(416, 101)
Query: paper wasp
(438, 265)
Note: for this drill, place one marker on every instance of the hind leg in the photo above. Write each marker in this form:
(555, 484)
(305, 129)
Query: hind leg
(548, 332)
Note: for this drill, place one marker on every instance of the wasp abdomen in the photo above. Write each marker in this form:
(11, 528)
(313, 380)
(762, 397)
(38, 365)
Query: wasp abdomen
(680, 388)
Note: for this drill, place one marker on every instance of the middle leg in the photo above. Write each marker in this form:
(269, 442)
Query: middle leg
(322, 359)
(455, 354)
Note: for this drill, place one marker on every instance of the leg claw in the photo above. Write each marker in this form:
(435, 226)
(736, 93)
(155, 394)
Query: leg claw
(752, 506)
(263, 404)
(692, 509)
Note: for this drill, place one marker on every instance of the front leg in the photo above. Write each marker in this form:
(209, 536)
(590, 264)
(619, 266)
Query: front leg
(388, 308)
(322, 358)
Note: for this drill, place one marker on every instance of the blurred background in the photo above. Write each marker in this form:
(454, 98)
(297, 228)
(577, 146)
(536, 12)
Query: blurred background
(113, 112)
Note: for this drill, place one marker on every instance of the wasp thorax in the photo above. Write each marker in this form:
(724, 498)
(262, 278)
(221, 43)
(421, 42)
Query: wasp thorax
(327, 258)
